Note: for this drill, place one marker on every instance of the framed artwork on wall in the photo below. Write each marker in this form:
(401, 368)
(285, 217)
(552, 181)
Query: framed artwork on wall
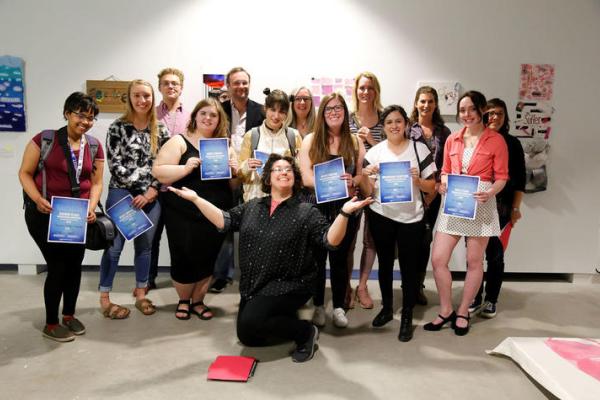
(111, 96)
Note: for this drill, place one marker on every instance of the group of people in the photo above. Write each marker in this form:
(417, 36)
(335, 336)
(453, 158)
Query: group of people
(285, 236)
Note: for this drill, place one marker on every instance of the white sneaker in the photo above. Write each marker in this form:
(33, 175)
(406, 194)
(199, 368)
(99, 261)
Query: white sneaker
(339, 318)
(318, 318)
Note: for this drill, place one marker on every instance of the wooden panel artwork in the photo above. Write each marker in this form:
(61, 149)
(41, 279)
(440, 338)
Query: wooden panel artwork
(111, 96)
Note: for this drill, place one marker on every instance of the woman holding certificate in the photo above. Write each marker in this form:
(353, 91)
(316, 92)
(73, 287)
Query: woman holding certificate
(272, 136)
(475, 167)
(40, 185)
(132, 143)
(427, 126)
(332, 142)
(279, 237)
(194, 242)
(399, 169)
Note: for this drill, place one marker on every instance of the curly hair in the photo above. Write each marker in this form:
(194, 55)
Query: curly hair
(265, 179)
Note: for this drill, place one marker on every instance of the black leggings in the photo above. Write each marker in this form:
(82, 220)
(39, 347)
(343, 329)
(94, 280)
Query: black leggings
(272, 317)
(408, 239)
(64, 267)
(494, 255)
(431, 215)
(338, 268)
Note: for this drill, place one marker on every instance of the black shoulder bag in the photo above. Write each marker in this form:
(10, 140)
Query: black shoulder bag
(101, 234)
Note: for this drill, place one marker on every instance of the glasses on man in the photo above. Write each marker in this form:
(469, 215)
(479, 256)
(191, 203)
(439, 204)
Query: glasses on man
(85, 117)
(300, 99)
(337, 108)
(279, 170)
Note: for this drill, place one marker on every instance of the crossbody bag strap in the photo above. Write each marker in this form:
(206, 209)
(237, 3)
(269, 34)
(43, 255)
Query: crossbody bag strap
(419, 167)
(63, 142)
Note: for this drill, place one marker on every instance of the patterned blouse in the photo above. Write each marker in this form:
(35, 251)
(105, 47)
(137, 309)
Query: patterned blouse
(277, 252)
(129, 157)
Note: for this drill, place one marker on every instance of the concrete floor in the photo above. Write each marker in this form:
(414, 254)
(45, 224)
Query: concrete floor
(160, 357)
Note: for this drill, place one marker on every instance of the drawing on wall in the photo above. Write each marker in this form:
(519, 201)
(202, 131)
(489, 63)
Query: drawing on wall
(448, 94)
(321, 87)
(110, 95)
(533, 122)
(536, 82)
(12, 94)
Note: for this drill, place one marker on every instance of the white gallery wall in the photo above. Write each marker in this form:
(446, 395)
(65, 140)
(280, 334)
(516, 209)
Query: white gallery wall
(478, 43)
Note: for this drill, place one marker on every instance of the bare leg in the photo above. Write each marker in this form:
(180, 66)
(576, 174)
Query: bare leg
(199, 292)
(475, 249)
(443, 245)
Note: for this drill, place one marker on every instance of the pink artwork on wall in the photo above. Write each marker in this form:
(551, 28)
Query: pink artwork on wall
(583, 354)
(537, 82)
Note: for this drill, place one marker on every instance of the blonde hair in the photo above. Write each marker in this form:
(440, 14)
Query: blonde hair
(223, 125)
(291, 119)
(170, 71)
(377, 100)
(319, 149)
(150, 115)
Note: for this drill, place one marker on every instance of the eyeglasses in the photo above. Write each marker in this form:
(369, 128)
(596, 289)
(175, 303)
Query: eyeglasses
(84, 117)
(495, 114)
(300, 99)
(338, 108)
(279, 170)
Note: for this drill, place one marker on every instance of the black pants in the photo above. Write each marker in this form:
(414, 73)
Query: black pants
(160, 226)
(272, 317)
(494, 255)
(431, 215)
(64, 267)
(407, 238)
(338, 268)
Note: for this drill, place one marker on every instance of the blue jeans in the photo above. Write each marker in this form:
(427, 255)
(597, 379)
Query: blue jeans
(142, 246)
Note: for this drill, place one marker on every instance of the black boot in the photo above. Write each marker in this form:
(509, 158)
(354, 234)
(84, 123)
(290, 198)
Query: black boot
(421, 299)
(406, 328)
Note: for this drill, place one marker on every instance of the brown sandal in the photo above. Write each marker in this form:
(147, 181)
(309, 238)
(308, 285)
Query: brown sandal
(145, 306)
(115, 311)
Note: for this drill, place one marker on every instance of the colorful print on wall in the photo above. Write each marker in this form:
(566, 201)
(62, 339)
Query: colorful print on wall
(12, 94)
(533, 121)
(448, 94)
(324, 86)
(110, 95)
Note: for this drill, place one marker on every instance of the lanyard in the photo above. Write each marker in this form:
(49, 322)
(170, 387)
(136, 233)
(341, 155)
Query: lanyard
(78, 163)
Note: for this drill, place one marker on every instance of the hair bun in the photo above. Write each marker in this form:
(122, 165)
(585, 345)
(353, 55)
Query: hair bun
(267, 91)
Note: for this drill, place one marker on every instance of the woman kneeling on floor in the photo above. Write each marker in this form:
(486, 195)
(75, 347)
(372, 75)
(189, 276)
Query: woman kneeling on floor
(277, 279)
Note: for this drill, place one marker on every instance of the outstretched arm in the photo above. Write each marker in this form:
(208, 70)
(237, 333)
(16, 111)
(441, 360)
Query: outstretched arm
(337, 230)
(209, 210)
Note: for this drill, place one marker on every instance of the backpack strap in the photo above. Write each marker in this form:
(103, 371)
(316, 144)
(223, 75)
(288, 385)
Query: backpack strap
(45, 148)
(254, 137)
(63, 142)
(291, 137)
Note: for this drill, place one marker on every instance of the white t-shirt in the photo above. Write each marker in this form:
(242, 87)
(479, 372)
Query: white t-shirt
(406, 213)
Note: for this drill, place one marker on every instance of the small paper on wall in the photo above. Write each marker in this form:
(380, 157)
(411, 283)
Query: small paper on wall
(448, 93)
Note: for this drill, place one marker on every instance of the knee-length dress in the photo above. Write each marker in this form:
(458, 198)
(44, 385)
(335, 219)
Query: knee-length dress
(194, 242)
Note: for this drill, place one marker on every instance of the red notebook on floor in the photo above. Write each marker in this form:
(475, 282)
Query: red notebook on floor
(232, 368)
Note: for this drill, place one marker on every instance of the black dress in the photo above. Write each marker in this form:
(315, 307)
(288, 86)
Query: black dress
(194, 242)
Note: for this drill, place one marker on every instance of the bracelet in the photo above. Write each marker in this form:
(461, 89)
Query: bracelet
(345, 214)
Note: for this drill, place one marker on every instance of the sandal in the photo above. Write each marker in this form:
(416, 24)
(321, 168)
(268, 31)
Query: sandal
(145, 306)
(185, 311)
(115, 311)
(361, 295)
(202, 314)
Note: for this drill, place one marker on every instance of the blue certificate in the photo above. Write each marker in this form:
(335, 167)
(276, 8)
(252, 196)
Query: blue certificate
(130, 221)
(214, 154)
(459, 201)
(68, 220)
(395, 182)
(328, 185)
(263, 157)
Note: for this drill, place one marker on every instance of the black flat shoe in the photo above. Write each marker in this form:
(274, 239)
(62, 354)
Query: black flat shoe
(384, 316)
(458, 331)
(436, 327)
